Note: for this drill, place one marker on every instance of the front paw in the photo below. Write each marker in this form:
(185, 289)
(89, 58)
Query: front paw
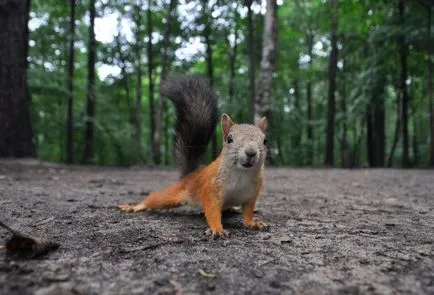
(213, 234)
(257, 225)
(132, 209)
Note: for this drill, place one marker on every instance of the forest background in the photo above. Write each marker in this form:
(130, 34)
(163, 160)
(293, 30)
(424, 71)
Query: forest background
(344, 83)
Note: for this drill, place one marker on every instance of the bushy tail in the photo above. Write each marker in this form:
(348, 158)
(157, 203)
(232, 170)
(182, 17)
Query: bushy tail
(197, 115)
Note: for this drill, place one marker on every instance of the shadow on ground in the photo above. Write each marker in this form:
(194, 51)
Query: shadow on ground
(332, 231)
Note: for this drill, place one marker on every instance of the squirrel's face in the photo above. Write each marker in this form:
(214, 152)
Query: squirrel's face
(244, 145)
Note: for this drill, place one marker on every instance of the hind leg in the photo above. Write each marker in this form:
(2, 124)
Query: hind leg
(158, 200)
(133, 208)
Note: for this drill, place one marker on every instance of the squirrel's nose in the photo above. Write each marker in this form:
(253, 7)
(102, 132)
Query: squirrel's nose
(250, 153)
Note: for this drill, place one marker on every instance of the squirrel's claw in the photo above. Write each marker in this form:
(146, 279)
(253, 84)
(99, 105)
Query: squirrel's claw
(131, 209)
(258, 225)
(217, 235)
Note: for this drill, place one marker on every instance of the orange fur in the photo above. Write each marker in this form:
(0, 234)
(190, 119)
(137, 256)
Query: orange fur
(210, 187)
(249, 208)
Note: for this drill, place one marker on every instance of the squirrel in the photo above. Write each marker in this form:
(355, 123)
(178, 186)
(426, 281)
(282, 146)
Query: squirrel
(234, 178)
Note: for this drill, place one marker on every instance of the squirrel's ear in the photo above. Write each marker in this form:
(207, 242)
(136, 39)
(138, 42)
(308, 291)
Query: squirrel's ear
(226, 125)
(262, 124)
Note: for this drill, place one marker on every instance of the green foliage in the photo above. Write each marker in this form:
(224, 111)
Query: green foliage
(368, 74)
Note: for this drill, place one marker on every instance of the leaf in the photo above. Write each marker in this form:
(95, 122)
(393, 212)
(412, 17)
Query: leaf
(20, 246)
(356, 183)
(203, 273)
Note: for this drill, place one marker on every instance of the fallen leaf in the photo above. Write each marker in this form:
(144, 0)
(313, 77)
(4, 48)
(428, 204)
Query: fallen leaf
(356, 184)
(203, 273)
(21, 246)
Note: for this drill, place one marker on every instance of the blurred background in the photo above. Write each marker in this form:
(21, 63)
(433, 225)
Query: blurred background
(345, 83)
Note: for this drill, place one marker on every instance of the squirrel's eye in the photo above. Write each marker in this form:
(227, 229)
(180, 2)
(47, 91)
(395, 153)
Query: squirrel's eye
(229, 139)
(265, 141)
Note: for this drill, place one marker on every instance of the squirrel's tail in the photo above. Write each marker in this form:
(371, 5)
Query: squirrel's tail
(197, 115)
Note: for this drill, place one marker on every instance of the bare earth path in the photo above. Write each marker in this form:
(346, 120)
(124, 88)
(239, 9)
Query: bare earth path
(332, 231)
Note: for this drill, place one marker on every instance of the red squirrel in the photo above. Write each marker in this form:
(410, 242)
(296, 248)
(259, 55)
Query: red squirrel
(234, 178)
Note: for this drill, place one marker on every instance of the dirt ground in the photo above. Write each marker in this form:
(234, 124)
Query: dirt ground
(331, 232)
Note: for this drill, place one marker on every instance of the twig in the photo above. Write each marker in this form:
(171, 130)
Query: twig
(44, 221)
(8, 228)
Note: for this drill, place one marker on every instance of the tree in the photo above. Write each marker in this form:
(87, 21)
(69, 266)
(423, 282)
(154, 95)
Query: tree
(155, 148)
(15, 128)
(268, 61)
(138, 110)
(430, 86)
(70, 80)
(164, 69)
(233, 51)
(296, 137)
(88, 138)
(125, 82)
(362, 62)
(209, 61)
(309, 42)
(333, 67)
(251, 60)
(403, 53)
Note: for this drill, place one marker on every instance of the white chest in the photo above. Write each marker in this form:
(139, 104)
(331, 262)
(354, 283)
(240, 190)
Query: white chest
(240, 187)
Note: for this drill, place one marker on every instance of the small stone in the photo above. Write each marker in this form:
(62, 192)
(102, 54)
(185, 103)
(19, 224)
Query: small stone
(210, 287)
(364, 261)
(62, 288)
(161, 281)
(285, 240)
(258, 274)
(275, 284)
(57, 278)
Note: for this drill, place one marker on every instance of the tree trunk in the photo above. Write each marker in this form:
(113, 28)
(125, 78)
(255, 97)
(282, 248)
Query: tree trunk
(88, 137)
(376, 123)
(71, 68)
(233, 58)
(430, 87)
(297, 134)
(166, 138)
(15, 127)
(137, 113)
(379, 129)
(309, 39)
(251, 60)
(344, 140)
(329, 157)
(268, 61)
(156, 156)
(164, 69)
(403, 52)
(414, 138)
(370, 136)
(397, 130)
(210, 68)
(125, 80)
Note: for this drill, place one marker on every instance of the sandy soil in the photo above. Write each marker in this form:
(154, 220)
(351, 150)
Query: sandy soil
(332, 232)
